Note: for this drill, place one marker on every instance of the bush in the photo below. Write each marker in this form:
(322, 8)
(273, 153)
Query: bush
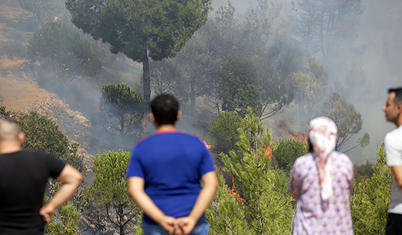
(371, 198)
(286, 152)
(222, 132)
(110, 189)
(42, 134)
(265, 206)
(62, 51)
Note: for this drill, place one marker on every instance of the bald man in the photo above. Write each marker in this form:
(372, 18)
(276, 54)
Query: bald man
(23, 177)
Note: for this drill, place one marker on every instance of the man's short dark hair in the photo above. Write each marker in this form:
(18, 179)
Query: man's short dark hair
(165, 107)
(398, 94)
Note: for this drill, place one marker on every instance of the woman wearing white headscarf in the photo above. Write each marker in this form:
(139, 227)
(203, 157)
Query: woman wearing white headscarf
(321, 181)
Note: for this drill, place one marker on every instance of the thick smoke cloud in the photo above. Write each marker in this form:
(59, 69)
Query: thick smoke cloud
(379, 57)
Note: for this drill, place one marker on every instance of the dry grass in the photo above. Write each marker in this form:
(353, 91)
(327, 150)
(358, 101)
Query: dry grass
(11, 14)
(11, 63)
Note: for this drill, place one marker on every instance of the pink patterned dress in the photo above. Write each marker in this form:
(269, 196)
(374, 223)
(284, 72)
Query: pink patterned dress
(313, 215)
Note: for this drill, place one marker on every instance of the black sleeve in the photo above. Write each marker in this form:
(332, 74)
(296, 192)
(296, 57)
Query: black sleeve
(55, 165)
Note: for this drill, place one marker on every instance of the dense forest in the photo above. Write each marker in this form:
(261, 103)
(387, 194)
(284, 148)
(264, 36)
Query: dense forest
(245, 78)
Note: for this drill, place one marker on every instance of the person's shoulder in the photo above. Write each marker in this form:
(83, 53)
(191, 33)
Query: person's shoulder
(144, 142)
(394, 135)
(302, 160)
(35, 153)
(36, 157)
(342, 158)
(190, 137)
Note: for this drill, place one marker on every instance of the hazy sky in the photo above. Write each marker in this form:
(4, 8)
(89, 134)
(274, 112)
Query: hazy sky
(379, 30)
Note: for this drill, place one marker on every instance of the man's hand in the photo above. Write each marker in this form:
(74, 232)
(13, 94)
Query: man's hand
(168, 223)
(47, 212)
(186, 224)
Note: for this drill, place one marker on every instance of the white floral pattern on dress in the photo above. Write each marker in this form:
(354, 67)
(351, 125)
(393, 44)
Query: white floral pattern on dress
(315, 216)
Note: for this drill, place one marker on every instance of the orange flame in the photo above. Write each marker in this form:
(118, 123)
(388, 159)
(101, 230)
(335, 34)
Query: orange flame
(234, 193)
(268, 151)
(302, 137)
(206, 144)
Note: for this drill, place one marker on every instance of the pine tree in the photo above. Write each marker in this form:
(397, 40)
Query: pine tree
(122, 103)
(110, 190)
(266, 206)
(65, 221)
(370, 201)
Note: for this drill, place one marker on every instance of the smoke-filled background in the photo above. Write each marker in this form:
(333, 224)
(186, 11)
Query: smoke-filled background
(359, 53)
(375, 51)
(290, 61)
(377, 31)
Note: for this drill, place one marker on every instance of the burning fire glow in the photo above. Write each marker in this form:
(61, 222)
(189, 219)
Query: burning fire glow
(302, 137)
(268, 152)
(206, 144)
(233, 192)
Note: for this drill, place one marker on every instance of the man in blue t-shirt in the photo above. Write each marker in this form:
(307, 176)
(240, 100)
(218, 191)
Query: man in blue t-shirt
(164, 175)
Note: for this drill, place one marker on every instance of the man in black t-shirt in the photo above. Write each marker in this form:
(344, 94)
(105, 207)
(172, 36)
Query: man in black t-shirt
(23, 177)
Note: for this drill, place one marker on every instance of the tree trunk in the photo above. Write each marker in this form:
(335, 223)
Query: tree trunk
(322, 43)
(120, 214)
(192, 101)
(122, 126)
(192, 98)
(146, 82)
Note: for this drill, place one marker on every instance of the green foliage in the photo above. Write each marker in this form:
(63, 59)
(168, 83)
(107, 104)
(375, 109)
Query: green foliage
(274, 89)
(158, 29)
(4, 112)
(75, 159)
(197, 70)
(226, 215)
(173, 23)
(63, 51)
(222, 132)
(370, 201)
(123, 103)
(268, 206)
(65, 222)
(348, 120)
(110, 189)
(238, 89)
(316, 69)
(138, 228)
(363, 171)
(286, 152)
(42, 134)
(271, 60)
(308, 86)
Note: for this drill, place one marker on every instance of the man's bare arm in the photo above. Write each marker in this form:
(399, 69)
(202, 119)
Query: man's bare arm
(397, 170)
(205, 197)
(137, 193)
(71, 179)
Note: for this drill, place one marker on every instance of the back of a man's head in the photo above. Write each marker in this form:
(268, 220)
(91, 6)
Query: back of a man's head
(165, 108)
(9, 129)
(398, 94)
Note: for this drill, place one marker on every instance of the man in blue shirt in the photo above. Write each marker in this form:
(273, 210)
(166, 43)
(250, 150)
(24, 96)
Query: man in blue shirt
(164, 175)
